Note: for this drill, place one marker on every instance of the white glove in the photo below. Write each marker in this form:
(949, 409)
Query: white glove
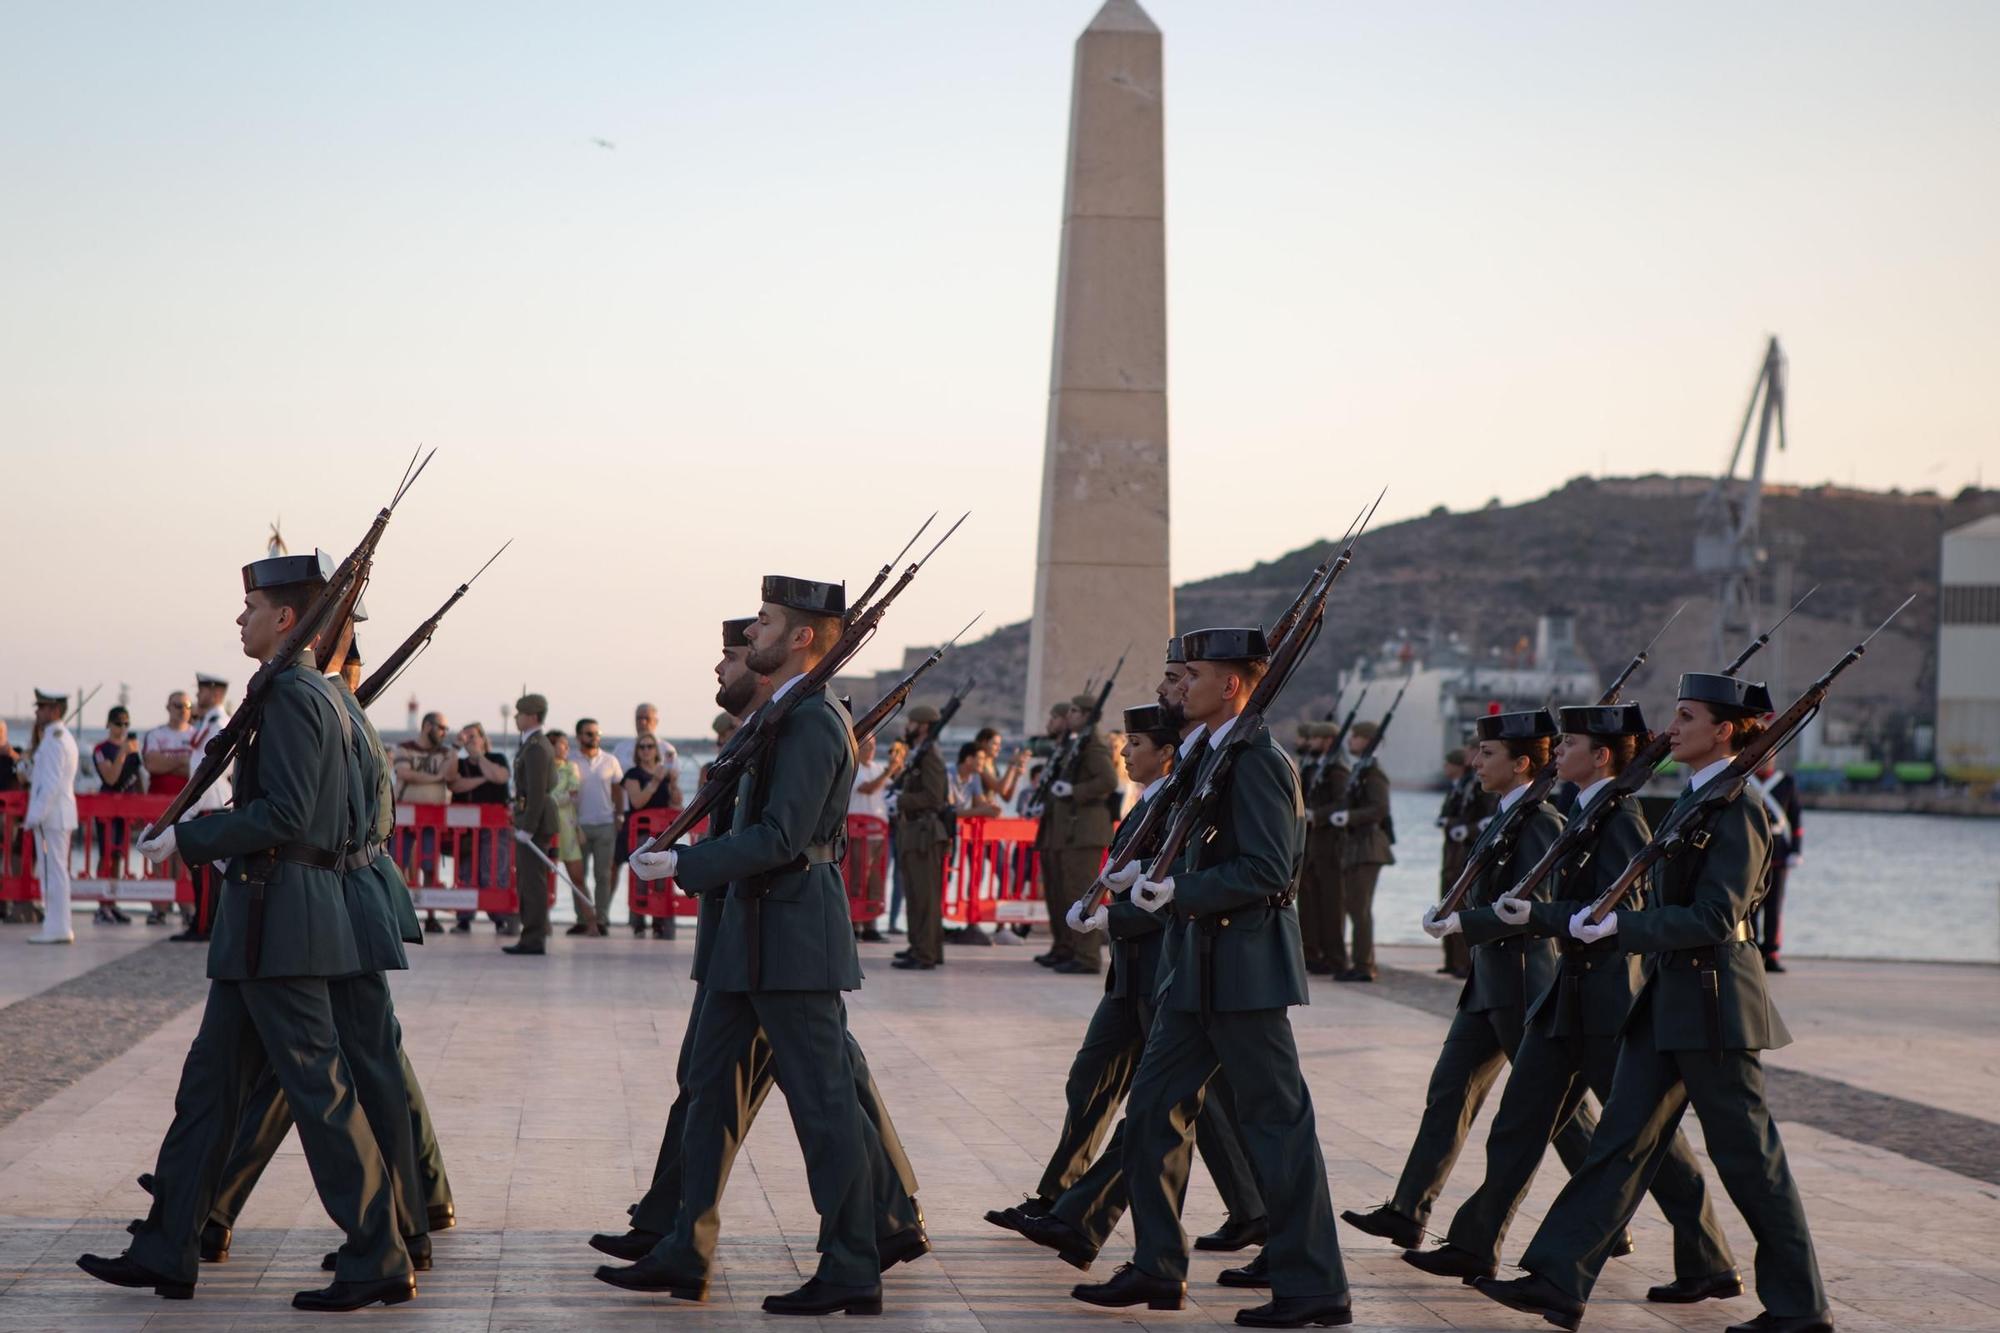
(1125, 876)
(1460, 832)
(1514, 911)
(160, 847)
(1437, 929)
(1061, 790)
(1338, 819)
(650, 866)
(1581, 928)
(524, 837)
(1153, 894)
(1082, 924)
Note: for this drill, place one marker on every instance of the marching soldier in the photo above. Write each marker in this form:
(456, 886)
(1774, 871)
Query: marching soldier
(1364, 820)
(1467, 807)
(282, 932)
(1508, 970)
(1223, 1002)
(534, 823)
(923, 795)
(784, 952)
(1078, 830)
(900, 1235)
(1693, 1037)
(1320, 912)
(1571, 1041)
(51, 814)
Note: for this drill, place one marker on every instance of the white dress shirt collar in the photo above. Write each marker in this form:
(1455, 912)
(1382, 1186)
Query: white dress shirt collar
(1707, 775)
(780, 692)
(1152, 787)
(1513, 798)
(1583, 798)
(1194, 740)
(1223, 731)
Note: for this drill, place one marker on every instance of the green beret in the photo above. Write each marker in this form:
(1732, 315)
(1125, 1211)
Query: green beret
(532, 703)
(923, 713)
(1083, 703)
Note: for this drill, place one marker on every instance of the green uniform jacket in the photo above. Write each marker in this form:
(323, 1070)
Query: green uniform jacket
(1606, 979)
(1707, 987)
(288, 784)
(534, 775)
(1136, 934)
(377, 899)
(1367, 832)
(921, 802)
(708, 915)
(792, 800)
(1327, 794)
(1509, 968)
(1234, 895)
(1083, 818)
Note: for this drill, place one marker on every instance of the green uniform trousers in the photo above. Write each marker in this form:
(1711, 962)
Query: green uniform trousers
(1650, 1092)
(920, 870)
(288, 1024)
(1319, 907)
(1357, 908)
(893, 1179)
(1184, 1052)
(372, 1042)
(1093, 1200)
(1544, 1090)
(1475, 1046)
(531, 878)
(809, 1057)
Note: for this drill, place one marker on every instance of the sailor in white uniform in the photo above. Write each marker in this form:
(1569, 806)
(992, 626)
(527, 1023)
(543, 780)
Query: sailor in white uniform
(52, 814)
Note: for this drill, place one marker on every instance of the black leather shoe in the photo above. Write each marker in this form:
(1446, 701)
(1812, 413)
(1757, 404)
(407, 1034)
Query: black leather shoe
(817, 1297)
(1773, 965)
(631, 1246)
(912, 965)
(1235, 1235)
(420, 1255)
(121, 1271)
(1356, 974)
(522, 950)
(652, 1275)
(1688, 1290)
(146, 1181)
(1256, 1273)
(1449, 1260)
(1405, 1233)
(1072, 967)
(1011, 1218)
(433, 926)
(440, 1217)
(1052, 1233)
(1051, 959)
(215, 1240)
(1533, 1295)
(904, 953)
(578, 929)
(903, 1247)
(870, 935)
(355, 1295)
(1132, 1286)
(1623, 1246)
(185, 936)
(1298, 1312)
(1785, 1323)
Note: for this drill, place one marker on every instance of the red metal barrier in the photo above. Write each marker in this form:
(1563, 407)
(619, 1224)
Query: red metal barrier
(474, 843)
(866, 868)
(659, 897)
(994, 873)
(109, 824)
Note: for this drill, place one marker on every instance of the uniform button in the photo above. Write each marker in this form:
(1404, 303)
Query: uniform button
(1225, 921)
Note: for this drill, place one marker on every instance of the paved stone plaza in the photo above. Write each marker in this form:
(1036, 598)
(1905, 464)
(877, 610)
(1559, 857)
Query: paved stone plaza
(550, 1079)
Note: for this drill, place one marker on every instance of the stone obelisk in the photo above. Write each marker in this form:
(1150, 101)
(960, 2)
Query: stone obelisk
(1101, 580)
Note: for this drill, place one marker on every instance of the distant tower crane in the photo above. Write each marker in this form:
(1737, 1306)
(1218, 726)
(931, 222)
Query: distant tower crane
(1727, 545)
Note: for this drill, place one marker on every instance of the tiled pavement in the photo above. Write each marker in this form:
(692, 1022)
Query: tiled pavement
(549, 1081)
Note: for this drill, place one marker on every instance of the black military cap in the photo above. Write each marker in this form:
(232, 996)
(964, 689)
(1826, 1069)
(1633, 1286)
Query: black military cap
(1516, 726)
(1603, 720)
(284, 571)
(1225, 645)
(1730, 697)
(736, 633)
(809, 595)
(1174, 652)
(1148, 720)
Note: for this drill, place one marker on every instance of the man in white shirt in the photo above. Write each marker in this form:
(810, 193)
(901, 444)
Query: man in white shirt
(211, 706)
(600, 801)
(52, 814)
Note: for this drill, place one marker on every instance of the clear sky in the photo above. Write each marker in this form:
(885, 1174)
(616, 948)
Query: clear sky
(254, 253)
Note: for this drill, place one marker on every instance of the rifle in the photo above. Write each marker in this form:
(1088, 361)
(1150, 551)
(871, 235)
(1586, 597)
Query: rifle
(1345, 546)
(882, 574)
(1367, 755)
(76, 714)
(945, 714)
(1205, 787)
(1583, 826)
(1064, 759)
(892, 703)
(336, 598)
(395, 663)
(1309, 782)
(761, 731)
(1485, 854)
(1684, 825)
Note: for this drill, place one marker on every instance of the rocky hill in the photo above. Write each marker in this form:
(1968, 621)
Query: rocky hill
(1616, 553)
